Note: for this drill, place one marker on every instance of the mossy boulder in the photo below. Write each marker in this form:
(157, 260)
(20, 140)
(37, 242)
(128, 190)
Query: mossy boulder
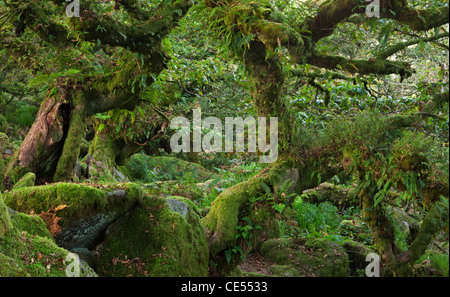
(284, 270)
(175, 188)
(334, 194)
(27, 249)
(150, 169)
(199, 211)
(357, 253)
(308, 256)
(154, 240)
(27, 180)
(84, 212)
(32, 224)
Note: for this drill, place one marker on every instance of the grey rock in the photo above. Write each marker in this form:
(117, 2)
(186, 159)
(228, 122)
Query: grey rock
(86, 255)
(87, 232)
(178, 206)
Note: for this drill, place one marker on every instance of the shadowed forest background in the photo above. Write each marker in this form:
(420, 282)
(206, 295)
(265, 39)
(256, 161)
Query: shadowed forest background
(87, 168)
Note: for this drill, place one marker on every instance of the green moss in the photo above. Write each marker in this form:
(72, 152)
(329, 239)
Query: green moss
(3, 124)
(6, 150)
(310, 257)
(27, 180)
(150, 169)
(284, 271)
(195, 207)
(154, 241)
(9, 267)
(71, 150)
(31, 224)
(430, 225)
(234, 203)
(27, 249)
(175, 188)
(2, 169)
(224, 214)
(401, 222)
(82, 199)
(437, 260)
(336, 195)
(5, 222)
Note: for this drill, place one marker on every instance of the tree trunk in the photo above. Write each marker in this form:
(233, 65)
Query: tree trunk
(72, 143)
(267, 79)
(382, 232)
(42, 147)
(109, 150)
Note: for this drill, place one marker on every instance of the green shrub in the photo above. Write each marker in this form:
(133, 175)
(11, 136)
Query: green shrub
(314, 219)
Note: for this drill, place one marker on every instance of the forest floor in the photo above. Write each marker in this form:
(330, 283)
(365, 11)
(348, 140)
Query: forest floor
(255, 263)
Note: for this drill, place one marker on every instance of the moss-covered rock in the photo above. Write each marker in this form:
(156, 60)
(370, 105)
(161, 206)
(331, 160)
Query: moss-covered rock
(27, 249)
(84, 211)
(335, 194)
(150, 169)
(153, 240)
(309, 257)
(27, 180)
(32, 224)
(285, 271)
(357, 253)
(199, 211)
(175, 188)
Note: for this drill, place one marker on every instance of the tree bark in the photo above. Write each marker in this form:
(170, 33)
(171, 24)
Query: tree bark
(41, 148)
(71, 150)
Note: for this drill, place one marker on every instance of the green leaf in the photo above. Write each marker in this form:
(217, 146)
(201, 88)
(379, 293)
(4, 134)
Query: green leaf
(100, 128)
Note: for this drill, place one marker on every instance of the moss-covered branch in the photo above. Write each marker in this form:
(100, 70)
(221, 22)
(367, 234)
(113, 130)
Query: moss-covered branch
(330, 14)
(416, 19)
(375, 66)
(317, 73)
(254, 22)
(141, 39)
(402, 45)
(431, 224)
(333, 12)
